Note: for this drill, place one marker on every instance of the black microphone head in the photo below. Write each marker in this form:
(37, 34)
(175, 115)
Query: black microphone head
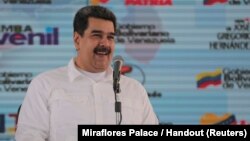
(118, 58)
(117, 64)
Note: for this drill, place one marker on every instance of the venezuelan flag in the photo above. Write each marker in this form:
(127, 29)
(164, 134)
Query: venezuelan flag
(213, 119)
(209, 78)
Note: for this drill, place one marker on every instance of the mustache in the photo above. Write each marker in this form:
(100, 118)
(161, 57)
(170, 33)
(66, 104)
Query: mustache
(101, 50)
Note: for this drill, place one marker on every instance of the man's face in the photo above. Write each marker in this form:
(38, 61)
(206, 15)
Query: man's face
(96, 46)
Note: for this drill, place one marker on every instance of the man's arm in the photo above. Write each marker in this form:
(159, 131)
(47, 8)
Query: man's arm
(33, 121)
(149, 116)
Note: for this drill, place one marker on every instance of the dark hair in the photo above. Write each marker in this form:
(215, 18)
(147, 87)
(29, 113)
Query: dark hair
(81, 18)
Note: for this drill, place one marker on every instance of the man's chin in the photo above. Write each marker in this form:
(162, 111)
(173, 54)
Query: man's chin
(100, 69)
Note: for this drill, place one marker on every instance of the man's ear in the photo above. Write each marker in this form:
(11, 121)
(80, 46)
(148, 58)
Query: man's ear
(77, 41)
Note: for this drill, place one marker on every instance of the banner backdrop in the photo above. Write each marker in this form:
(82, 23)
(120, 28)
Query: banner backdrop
(191, 56)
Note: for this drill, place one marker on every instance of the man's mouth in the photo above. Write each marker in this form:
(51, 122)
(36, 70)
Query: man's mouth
(101, 50)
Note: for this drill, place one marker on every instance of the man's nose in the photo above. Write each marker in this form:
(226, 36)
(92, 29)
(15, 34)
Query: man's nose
(105, 42)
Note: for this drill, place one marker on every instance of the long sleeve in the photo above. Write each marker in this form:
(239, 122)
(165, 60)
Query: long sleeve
(149, 116)
(33, 122)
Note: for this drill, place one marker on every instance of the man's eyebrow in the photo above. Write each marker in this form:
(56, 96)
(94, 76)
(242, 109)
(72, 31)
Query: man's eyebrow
(99, 31)
(112, 33)
(96, 31)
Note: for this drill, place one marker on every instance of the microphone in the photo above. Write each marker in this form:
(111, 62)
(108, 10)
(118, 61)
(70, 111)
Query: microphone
(117, 63)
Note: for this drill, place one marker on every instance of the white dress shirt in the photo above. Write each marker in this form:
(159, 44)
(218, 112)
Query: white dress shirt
(59, 100)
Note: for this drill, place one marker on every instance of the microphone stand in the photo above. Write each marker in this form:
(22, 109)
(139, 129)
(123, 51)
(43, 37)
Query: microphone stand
(118, 105)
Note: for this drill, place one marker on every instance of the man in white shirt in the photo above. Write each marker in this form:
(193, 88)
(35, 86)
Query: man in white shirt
(82, 92)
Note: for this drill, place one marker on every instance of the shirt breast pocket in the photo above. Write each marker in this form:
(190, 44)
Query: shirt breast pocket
(67, 109)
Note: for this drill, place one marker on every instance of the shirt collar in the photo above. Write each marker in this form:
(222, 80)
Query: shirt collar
(73, 73)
